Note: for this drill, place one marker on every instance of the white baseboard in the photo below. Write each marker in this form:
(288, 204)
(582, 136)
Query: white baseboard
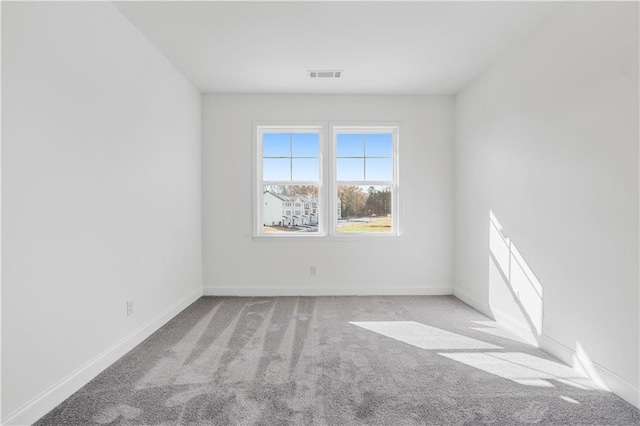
(473, 302)
(49, 399)
(519, 328)
(329, 290)
(597, 373)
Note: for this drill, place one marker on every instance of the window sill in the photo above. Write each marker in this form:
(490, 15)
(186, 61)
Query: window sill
(330, 238)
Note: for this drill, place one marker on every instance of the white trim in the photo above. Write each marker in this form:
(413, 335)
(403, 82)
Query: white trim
(600, 375)
(368, 128)
(482, 307)
(326, 290)
(519, 328)
(259, 129)
(344, 238)
(49, 399)
(327, 183)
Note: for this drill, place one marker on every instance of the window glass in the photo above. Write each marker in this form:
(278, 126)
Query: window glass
(350, 145)
(296, 193)
(364, 209)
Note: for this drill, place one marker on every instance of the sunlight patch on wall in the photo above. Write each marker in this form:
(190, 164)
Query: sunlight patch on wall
(515, 273)
(583, 363)
(423, 336)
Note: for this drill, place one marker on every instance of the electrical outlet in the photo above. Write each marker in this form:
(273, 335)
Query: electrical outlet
(312, 270)
(129, 308)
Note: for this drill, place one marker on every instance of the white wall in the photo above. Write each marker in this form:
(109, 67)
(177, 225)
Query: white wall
(101, 196)
(419, 262)
(547, 140)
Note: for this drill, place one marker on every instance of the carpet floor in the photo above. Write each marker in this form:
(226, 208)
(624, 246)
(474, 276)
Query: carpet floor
(338, 361)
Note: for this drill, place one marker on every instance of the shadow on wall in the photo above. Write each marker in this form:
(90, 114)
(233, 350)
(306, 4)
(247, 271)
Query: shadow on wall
(512, 284)
(516, 295)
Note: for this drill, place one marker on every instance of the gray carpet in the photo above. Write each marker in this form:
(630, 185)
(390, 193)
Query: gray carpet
(337, 361)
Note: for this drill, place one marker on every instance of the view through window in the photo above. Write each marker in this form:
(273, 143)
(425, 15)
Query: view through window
(365, 182)
(290, 181)
(355, 192)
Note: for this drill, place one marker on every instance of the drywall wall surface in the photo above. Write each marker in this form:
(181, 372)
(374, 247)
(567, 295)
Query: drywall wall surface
(418, 262)
(546, 182)
(100, 193)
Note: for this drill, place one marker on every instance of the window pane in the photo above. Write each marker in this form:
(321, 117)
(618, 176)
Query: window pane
(305, 144)
(364, 209)
(306, 169)
(350, 169)
(276, 145)
(379, 145)
(276, 169)
(379, 169)
(350, 145)
(280, 213)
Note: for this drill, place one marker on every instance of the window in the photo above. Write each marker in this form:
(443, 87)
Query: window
(355, 192)
(289, 170)
(365, 180)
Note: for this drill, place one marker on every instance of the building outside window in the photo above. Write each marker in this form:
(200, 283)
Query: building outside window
(358, 183)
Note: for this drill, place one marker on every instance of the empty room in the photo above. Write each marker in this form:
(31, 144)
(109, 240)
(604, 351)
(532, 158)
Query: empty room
(320, 213)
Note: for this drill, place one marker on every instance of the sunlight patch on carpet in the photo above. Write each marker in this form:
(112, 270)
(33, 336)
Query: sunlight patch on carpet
(423, 336)
(521, 368)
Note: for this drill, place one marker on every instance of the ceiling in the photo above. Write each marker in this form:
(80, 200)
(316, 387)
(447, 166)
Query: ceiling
(382, 47)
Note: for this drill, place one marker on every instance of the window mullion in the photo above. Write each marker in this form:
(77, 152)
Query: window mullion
(276, 210)
(386, 191)
(364, 156)
(325, 194)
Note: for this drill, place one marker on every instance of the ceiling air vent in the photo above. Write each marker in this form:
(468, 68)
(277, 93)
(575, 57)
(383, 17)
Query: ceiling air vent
(325, 73)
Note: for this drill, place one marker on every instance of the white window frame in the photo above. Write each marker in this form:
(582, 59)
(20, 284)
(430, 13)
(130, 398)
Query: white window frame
(394, 183)
(327, 208)
(259, 183)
